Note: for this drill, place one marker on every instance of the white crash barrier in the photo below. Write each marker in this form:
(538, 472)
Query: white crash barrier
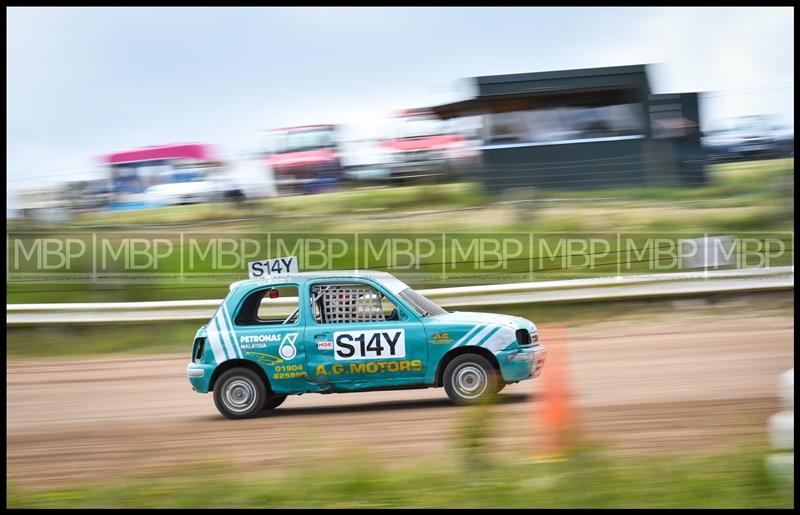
(781, 431)
(599, 288)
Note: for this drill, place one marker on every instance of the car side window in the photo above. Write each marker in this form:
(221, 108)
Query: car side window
(342, 303)
(275, 305)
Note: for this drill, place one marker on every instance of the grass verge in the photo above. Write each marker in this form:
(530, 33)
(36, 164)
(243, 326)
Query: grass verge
(588, 478)
(749, 199)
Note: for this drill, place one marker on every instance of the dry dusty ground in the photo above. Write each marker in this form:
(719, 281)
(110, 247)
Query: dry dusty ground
(690, 383)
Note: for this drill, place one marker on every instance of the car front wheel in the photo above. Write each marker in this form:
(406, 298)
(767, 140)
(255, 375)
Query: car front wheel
(469, 379)
(273, 401)
(239, 393)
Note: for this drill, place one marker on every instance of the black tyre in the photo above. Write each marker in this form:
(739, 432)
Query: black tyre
(500, 386)
(470, 378)
(273, 401)
(239, 393)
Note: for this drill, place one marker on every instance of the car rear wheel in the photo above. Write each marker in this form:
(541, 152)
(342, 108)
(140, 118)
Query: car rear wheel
(469, 379)
(239, 393)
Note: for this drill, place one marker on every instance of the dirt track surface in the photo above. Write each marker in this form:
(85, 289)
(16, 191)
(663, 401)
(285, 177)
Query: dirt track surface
(691, 384)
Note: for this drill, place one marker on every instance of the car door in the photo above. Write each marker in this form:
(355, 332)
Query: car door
(269, 330)
(360, 336)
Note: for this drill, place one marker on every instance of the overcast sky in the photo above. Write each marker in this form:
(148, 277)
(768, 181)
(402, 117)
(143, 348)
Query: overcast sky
(82, 82)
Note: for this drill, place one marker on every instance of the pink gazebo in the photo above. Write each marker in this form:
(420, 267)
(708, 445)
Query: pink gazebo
(192, 151)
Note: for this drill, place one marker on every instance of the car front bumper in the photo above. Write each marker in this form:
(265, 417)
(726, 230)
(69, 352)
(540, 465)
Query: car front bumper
(520, 364)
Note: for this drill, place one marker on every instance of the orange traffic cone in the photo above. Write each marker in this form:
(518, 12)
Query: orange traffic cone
(551, 410)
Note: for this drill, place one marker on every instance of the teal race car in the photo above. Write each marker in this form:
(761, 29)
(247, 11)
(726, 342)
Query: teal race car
(334, 332)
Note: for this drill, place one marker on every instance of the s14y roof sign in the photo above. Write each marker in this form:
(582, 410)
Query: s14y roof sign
(275, 266)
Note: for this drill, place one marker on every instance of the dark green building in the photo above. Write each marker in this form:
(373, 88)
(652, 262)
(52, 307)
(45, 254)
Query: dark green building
(579, 129)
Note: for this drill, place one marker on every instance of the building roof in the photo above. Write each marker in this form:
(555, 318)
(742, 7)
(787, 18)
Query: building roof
(583, 87)
(589, 74)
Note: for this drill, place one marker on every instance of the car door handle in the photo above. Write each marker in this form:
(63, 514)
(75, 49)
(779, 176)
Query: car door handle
(320, 336)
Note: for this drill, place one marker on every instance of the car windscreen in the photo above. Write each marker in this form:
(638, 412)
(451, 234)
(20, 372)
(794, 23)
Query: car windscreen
(420, 304)
(421, 128)
(296, 141)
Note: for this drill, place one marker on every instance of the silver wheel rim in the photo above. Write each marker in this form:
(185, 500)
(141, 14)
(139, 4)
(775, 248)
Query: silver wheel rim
(239, 395)
(470, 381)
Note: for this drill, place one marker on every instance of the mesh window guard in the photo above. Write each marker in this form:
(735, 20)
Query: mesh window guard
(347, 303)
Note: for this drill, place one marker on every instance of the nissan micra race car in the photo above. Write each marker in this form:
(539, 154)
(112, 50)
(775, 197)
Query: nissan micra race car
(334, 332)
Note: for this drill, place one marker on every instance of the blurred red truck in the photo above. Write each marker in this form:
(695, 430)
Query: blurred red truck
(424, 146)
(304, 159)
